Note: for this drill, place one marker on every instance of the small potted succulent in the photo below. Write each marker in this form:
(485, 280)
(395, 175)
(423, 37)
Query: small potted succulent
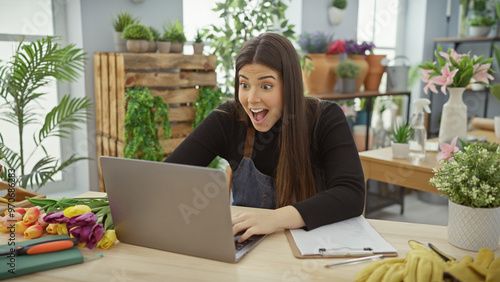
(400, 137)
(336, 11)
(347, 71)
(119, 22)
(138, 37)
(174, 32)
(198, 43)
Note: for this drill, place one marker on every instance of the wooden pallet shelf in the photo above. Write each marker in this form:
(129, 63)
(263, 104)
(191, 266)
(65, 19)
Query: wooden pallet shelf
(173, 77)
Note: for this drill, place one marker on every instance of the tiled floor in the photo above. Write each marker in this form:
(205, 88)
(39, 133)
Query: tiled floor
(415, 210)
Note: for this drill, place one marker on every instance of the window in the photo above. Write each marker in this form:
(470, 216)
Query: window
(33, 20)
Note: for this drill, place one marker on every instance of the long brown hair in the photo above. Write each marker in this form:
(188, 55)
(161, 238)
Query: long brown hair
(294, 176)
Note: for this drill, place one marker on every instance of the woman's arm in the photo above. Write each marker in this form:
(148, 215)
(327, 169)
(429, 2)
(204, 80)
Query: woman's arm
(344, 194)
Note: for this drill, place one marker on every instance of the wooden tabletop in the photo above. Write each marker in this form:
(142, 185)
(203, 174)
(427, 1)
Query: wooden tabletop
(271, 260)
(380, 165)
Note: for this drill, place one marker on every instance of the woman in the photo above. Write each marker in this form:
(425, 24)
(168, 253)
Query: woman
(291, 154)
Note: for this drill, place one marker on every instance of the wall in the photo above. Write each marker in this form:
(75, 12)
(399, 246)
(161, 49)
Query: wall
(97, 36)
(315, 18)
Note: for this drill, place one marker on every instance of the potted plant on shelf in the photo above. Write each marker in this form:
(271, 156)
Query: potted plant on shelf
(470, 179)
(22, 81)
(400, 137)
(357, 52)
(347, 72)
(375, 69)
(198, 43)
(336, 11)
(153, 45)
(480, 25)
(138, 37)
(119, 22)
(175, 33)
(314, 47)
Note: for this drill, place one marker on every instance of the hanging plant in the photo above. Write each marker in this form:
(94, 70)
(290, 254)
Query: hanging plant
(208, 99)
(144, 116)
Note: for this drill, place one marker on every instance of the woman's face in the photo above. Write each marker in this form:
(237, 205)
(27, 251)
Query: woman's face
(261, 95)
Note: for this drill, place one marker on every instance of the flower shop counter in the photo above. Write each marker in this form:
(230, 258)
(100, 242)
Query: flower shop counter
(271, 260)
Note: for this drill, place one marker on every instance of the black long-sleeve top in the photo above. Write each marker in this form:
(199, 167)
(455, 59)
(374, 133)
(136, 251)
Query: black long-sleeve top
(338, 173)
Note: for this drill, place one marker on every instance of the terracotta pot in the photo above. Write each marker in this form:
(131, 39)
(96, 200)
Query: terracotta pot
(375, 72)
(333, 61)
(361, 61)
(319, 79)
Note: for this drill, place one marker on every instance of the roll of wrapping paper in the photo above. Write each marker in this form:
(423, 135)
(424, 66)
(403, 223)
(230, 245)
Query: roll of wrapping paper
(483, 123)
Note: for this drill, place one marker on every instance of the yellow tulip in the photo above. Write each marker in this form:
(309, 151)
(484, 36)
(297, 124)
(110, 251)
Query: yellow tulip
(62, 229)
(21, 227)
(52, 228)
(107, 240)
(76, 210)
(33, 231)
(31, 216)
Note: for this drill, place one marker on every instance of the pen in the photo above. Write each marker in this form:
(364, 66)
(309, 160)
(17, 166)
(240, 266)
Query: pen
(354, 261)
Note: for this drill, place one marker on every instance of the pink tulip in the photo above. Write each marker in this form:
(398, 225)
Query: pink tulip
(31, 216)
(447, 149)
(32, 232)
(41, 222)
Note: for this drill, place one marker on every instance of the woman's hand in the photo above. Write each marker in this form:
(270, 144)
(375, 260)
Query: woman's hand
(265, 221)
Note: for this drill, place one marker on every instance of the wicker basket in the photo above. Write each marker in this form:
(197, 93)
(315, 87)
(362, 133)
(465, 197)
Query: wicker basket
(19, 197)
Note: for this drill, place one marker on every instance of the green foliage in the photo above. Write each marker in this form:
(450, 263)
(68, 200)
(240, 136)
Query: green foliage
(1, 152)
(174, 32)
(484, 20)
(471, 177)
(122, 20)
(22, 79)
(208, 99)
(156, 34)
(242, 21)
(145, 115)
(137, 31)
(348, 69)
(340, 4)
(199, 36)
(402, 132)
(306, 63)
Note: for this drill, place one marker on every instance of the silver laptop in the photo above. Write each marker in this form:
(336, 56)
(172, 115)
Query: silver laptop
(171, 207)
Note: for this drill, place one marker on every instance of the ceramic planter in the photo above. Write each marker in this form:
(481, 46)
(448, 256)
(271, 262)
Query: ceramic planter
(454, 117)
(164, 46)
(137, 46)
(152, 47)
(475, 31)
(176, 47)
(473, 228)
(120, 43)
(497, 126)
(400, 150)
(198, 48)
(347, 85)
(335, 15)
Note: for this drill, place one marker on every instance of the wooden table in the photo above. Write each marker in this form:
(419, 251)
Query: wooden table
(381, 166)
(271, 260)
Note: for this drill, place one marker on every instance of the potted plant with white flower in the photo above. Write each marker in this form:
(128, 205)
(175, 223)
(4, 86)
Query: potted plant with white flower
(471, 181)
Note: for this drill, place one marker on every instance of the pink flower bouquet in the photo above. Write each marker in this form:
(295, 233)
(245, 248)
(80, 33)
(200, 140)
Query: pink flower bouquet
(455, 70)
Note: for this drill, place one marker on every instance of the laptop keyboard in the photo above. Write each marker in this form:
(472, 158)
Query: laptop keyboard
(238, 246)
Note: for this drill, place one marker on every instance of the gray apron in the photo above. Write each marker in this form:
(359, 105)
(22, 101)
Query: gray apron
(250, 187)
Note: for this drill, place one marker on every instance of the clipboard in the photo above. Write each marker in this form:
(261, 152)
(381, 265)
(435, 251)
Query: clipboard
(365, 229)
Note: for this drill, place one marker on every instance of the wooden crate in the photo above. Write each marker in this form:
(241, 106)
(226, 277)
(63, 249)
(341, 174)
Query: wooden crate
(174, 77)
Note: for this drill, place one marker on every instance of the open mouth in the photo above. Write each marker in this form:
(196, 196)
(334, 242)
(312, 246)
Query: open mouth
(259, 114)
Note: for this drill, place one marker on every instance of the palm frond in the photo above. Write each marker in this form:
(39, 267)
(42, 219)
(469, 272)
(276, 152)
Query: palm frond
(64, 116)
(46, 168)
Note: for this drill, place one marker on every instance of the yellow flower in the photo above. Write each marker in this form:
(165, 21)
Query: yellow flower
(33, 231)
(76, 210)
(62, 229)
(107, 240)
(52, 228)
